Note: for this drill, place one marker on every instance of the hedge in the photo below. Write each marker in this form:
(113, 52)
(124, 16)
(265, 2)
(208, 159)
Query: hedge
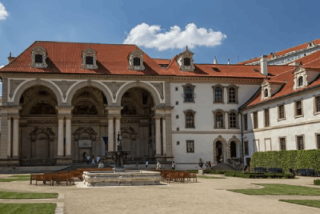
(258, 175)
(286, 159)
(316, 182)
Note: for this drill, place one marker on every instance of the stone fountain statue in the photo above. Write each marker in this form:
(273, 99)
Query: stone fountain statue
(119, 156)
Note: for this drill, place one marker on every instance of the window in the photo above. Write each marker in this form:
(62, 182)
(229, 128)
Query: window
(186, 61)
(218, 95)
(232, 95)
(300, 144)
(265, 93)
(266, 118)
(233, 120)
(136, 61)
(298, 108)
(318, 141)
(300, 81)
(219, 120)
(283, 144)
(190, 146)
(188, 93)
(255, 120)
(178, 143)
(246, 148)
(89, 60)
(281, 112)
(38, 58)
(245, 121)
(189, 118)
(317, 99)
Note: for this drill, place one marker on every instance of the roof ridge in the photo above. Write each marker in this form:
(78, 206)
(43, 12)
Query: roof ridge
(94, 43)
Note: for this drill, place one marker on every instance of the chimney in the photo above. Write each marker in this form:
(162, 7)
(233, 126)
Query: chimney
(215, 61)
(10, 58)
(263, 65)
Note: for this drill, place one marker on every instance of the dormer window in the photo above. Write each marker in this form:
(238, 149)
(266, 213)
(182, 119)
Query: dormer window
(185, 61)
(89, 59)
(300, 81)
(265, 92)
(136, 60)
(39, 56)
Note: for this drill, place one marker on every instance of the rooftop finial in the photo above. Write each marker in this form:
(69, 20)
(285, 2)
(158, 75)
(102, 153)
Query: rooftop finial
(215, 61)
(10, 54)
(228, 61)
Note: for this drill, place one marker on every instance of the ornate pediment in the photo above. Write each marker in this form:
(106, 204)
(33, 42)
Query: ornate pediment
(88, 130)
(38, 130)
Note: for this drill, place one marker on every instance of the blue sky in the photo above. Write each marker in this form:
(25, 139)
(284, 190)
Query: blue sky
(243, 29)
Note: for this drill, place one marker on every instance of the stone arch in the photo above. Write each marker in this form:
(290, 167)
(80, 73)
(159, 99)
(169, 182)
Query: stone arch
(224, 146)
(28, 84)
(147, 87)
(238, 146)
(83, 84)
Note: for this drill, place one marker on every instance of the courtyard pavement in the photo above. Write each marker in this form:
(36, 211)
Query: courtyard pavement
(205, 196)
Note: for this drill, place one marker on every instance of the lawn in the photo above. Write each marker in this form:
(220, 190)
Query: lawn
(20, 195)
(16, 178)
(210, 177)
(27, 208)
(310, 203)
(280, 189)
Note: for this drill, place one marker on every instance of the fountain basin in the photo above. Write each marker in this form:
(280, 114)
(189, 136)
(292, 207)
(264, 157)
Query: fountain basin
(127, 178)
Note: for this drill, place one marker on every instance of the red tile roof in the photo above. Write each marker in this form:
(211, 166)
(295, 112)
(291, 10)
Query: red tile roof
(66, 57)
(283, 52)
(287, 79)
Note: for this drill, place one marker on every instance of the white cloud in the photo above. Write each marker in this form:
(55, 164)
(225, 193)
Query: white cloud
(151, 36)
(1, 66)
(3, 13)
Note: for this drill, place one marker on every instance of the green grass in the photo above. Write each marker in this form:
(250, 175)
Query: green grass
(27, 208)
(16, 178)
(20, 195)
(279, 189)
(210, 177)
(310, 203)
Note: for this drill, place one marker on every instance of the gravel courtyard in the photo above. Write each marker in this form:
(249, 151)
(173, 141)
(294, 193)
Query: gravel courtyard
(205, 196)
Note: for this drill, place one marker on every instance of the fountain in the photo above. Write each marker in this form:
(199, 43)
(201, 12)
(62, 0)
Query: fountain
(119, 176)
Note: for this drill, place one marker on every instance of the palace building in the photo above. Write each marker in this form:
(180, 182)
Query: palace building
(62, 99)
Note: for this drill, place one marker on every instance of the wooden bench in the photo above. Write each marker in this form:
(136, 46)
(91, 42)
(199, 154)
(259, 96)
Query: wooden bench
(44, 178)
(59, 177)
(33, 177)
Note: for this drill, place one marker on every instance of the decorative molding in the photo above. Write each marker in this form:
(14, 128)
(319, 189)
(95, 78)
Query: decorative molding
(13, 86)
(88, 130)
(159, 87)
(64, 86)
(55, 121)
(114, 87)
(38, 130)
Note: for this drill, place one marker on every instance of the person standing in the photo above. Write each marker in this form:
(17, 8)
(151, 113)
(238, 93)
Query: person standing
(147, 163)
(173, 165)
(92, 160)
(88, 159)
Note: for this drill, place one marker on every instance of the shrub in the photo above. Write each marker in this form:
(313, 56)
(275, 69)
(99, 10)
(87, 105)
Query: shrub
(316, 182)
(286, 159)
(258, 175)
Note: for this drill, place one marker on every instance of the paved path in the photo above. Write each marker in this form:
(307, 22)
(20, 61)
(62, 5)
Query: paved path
(206, 196)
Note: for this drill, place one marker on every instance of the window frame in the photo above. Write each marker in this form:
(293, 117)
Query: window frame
(38, 51)
(136, 54)
(215, 118)
(245, 122)
(235, 94)
(89, 53)
(236, 119)
(187, 121)
(192, 87)
(280, 144)
(316, 111)
(300, 82)
(214, 93)
(188, 150)
(246, 148)
(279, 112)
(298, 143)
(255, 121)
(266, 114)
(296, 108)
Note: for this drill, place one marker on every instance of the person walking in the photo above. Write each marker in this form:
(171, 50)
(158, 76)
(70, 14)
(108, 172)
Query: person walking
(173, 165)
(92, 160)
(88, 159)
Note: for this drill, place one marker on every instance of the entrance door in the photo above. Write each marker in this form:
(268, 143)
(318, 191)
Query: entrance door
(233, 149)
(87, 151)
(219, 151)
(42, 146)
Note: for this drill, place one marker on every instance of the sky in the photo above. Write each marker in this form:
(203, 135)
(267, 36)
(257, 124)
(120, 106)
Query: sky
(226, 29)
